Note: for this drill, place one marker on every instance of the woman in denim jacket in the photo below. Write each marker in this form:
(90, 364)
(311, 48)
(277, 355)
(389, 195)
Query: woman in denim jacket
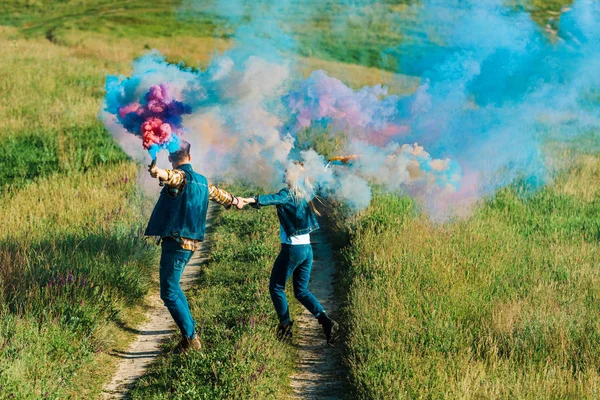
(297, 219)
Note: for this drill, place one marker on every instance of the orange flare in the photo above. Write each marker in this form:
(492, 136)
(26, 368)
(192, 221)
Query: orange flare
(344, 159)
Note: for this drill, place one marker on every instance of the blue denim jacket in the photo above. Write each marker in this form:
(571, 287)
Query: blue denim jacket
(183, 215)
(295, 216)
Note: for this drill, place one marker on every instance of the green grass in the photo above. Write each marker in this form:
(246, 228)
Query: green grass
(501, 305)
(33, 155)
(72, 266)
(333, 30)
(236, 320)
(74, 269)
(119, 19)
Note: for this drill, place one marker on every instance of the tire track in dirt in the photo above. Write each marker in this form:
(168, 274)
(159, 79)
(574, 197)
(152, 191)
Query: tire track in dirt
(154, 332)
(320, 373)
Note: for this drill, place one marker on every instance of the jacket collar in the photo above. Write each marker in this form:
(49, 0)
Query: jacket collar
(186, 167)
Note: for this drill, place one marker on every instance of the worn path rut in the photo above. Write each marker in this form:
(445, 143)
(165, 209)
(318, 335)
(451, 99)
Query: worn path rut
(320, 373)
(156, 330)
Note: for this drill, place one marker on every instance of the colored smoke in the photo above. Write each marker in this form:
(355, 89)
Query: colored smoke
(156, 117)
(495, 89)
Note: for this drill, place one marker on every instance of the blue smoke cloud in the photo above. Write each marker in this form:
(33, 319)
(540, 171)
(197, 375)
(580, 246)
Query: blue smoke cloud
(495, 87)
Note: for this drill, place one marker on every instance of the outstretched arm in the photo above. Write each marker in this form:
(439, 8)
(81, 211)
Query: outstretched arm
(224, 198)
(274, 199)
(176, 178)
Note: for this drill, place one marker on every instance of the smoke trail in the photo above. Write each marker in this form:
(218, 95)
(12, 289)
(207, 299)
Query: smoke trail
(145, 106)
(236, 120)
(494, 89)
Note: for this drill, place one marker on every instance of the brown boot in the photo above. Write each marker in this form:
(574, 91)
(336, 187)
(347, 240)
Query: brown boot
(194, 344)
(186, 344)
(191, 344)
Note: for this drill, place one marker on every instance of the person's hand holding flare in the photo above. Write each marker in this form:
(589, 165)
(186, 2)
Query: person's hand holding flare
(156, 172)
(153, 169)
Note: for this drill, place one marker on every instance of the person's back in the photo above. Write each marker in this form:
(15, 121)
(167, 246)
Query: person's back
(181, 213)
(296, 216)
(297, 219)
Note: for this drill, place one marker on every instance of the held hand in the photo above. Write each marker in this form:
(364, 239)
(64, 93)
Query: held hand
(251, 201)
(153, 169)
(240, 203)
(243, 201)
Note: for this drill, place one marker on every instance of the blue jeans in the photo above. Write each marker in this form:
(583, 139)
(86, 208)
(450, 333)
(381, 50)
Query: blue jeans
(172, 263)
(293, 260)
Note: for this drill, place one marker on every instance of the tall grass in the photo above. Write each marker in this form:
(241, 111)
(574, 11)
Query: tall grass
(73, 265)
(502, 305)
(71, 262)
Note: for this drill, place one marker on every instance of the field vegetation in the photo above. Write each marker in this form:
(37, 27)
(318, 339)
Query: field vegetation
(501, 305)
(73, 266)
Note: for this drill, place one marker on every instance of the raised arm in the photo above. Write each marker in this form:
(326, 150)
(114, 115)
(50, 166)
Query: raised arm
(172, 178)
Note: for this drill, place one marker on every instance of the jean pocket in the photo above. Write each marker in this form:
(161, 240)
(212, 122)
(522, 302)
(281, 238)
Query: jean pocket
(297, 255)
(181, 260)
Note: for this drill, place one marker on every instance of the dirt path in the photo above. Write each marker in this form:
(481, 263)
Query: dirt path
(159, 326)
(320, 372)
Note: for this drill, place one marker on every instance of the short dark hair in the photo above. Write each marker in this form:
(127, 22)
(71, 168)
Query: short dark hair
(182, 153)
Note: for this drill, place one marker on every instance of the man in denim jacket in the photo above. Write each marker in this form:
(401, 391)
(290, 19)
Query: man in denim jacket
(179, 221)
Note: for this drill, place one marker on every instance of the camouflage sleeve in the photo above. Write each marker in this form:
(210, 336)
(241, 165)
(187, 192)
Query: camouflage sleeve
(221, 196)
(175, 179)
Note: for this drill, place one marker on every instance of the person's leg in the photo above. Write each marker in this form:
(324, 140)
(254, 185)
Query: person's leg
(308, 300)
(282, 269)
(301, 279)
(173, 261)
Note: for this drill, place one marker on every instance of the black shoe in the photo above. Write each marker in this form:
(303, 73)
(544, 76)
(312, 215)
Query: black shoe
(284, 332)
(330, 328)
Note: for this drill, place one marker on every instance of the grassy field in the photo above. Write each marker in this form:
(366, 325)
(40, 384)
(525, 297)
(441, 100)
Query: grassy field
(73, 266)
(502, 305)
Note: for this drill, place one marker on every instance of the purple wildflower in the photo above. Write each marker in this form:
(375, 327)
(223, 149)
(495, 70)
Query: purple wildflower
(261, 369)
